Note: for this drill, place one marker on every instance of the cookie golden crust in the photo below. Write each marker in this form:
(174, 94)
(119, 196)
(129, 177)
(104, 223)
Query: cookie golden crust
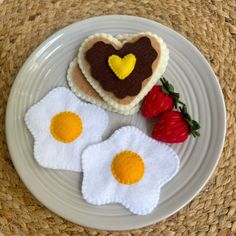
(158, 65)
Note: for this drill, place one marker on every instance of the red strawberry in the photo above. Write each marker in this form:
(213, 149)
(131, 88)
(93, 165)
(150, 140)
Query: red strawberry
(161, 98)
(175, 127)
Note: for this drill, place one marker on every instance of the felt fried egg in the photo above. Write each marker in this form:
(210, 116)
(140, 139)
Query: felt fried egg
(62, 126)
(129, 168)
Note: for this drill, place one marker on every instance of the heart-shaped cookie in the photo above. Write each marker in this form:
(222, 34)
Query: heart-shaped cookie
(151, 58)
(82, 88)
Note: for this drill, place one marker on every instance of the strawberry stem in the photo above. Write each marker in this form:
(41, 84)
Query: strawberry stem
(168, 89)
(193, 124)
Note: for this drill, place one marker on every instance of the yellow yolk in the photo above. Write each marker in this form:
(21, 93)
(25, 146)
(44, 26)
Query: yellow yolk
(66, 126)
(127, 167)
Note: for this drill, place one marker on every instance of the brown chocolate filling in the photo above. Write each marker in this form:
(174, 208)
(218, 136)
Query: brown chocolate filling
(97, 57)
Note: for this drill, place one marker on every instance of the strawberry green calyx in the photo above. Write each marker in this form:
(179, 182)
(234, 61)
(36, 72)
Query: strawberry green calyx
(168, 89)
(193, 125)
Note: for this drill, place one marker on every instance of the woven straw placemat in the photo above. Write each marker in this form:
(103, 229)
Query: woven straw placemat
(210, 25)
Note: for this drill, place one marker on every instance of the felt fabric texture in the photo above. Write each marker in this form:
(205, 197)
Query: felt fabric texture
(100, 187)
(209, 25)
(82, 89)
(109, 91)
(122, 67)
(51, 153)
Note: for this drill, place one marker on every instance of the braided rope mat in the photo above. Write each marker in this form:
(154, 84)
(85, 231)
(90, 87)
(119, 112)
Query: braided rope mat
(210, 25)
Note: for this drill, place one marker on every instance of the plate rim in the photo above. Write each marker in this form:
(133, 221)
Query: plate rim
(127, 17)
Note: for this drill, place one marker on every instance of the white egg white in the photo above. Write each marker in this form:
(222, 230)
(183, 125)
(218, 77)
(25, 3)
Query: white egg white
(99, 185)
(51, 153)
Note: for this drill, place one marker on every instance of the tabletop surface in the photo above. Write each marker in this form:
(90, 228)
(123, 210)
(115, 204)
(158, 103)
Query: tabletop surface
(209, 25)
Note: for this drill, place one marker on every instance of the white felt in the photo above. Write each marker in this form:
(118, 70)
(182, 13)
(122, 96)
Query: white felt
(48, 151)
(100, 187)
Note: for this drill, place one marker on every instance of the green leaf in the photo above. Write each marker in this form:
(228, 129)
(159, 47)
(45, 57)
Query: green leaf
(193, 125)
(187, 116)
(168, 89)
(175, 95)
(196, 125)
(163, 80)
(171, 88)
(181, 102)
(163, 89)
(184, 109)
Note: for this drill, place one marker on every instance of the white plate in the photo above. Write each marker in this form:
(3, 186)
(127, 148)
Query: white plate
(60, 190)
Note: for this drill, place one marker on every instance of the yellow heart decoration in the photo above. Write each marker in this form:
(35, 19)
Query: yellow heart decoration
(122, 67)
